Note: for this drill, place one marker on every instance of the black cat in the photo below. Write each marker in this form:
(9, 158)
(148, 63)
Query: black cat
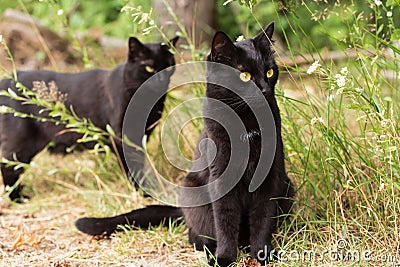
(102, 96)
(241, 217)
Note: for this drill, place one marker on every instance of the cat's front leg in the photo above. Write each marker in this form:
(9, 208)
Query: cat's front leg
(226, 213)
(121, 157)
(262, 219)
(132, 161)
(10, 177)
(23, 149)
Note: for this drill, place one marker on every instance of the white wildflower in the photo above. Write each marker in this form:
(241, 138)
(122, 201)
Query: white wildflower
(330, 98)
(240, 38)
(145, 17)
(317, 119)
(389, 14)
(227, 2)
(359, 90)
(378, 2)
(3, 109)
(60, 12)
(339, 91)
(313, 67)
(381, 186)
(340, 80)
(344, 71)
(127, 8)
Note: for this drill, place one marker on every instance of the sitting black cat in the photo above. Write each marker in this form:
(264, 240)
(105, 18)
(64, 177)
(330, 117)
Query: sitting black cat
(102, 96)
(242, 216)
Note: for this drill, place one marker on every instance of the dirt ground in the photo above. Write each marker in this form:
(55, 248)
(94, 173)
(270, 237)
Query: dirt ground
(47, 237)
(44, 237)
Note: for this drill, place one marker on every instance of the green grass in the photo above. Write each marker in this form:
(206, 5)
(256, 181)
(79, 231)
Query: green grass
(341, 139)
(341, 136)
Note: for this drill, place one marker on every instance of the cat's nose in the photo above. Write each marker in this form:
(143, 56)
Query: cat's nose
(263, 85)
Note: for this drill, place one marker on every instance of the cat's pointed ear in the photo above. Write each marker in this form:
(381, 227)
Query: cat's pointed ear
(136, 48)
(174, 40)
(171, 43)
(264, 38)
(222, 46)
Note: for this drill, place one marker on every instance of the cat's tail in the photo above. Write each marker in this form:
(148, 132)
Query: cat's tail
(142, 218)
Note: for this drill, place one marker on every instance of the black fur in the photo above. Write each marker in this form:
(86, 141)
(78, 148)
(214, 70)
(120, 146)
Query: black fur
(99, 95)
(151, 215)
(239, 218)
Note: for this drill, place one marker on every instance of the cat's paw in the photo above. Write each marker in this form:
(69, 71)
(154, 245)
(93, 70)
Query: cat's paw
(17, 196)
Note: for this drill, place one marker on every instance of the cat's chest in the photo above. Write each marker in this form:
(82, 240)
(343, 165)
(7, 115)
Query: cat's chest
(254, 141)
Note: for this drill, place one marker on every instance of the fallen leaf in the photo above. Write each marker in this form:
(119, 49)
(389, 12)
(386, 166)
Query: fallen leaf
(18, 242)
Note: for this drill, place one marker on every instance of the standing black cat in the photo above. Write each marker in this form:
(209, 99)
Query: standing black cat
(102, 96)
(240, 217)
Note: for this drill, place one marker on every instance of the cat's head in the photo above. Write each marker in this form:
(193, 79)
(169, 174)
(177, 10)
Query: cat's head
(145, 60)
(252, 60)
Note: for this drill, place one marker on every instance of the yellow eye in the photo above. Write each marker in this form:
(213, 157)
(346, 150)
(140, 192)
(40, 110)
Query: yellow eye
(245, 76)
(270, 73)
(149, 69)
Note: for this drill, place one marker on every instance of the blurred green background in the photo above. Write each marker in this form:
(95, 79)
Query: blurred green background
(293, 17)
